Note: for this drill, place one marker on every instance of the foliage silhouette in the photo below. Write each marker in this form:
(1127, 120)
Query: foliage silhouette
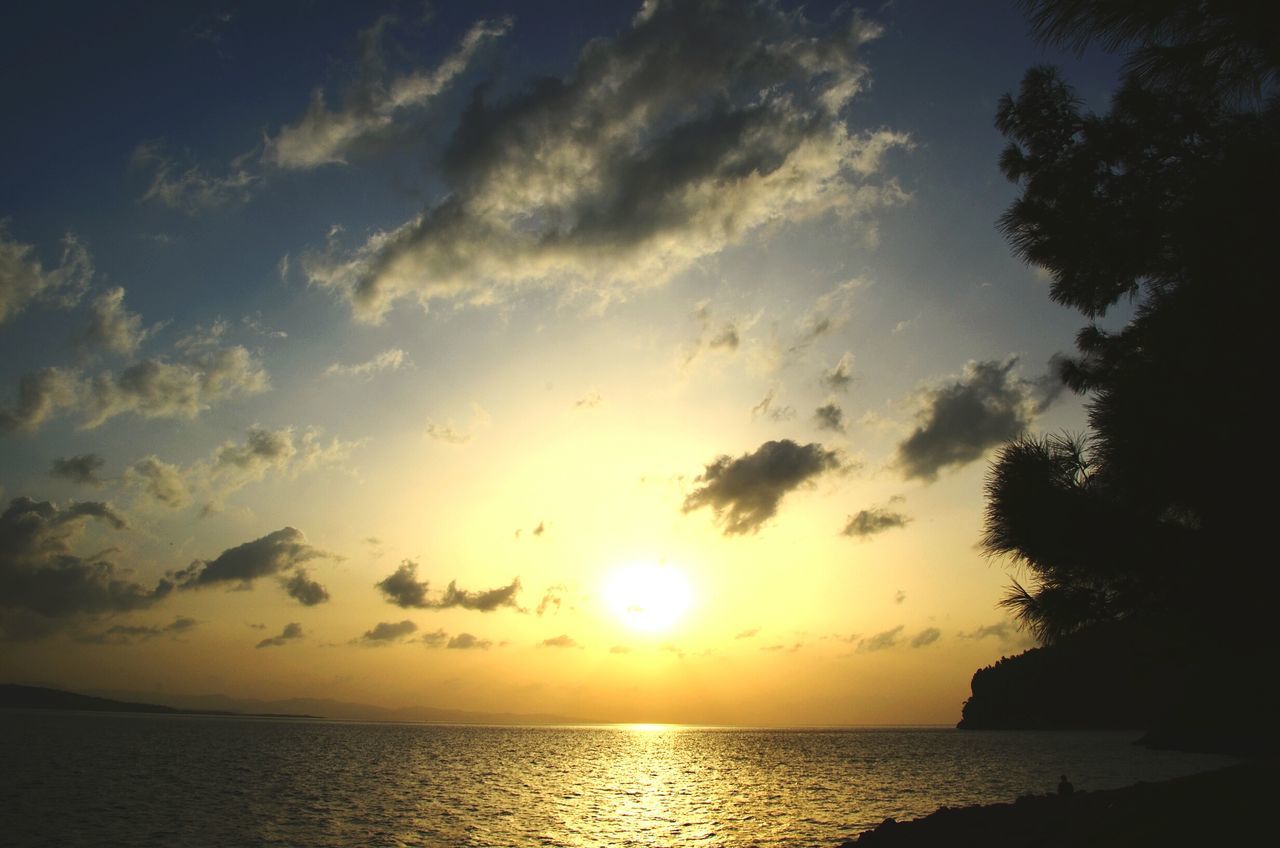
(1162, 206)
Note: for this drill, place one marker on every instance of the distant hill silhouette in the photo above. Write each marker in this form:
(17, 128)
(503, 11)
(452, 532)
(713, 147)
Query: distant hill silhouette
(38, 697)
(14, 696)
(1126, 675)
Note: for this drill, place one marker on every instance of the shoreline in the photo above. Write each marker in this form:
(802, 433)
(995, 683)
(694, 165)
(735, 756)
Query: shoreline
(1226, 806)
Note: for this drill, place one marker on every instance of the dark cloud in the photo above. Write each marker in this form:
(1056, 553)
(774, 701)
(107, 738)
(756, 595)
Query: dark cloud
(124, 634)
(41, 395)
(899, 596)
(960, 420)
(389, 631)
(376, 103)
(540, 529)
(82, 468)
(726, 338)
(291, 631)
(1006, 633)
(881, 641)
(466, 642)
(561, 641)
(829, 416)
(403, 589)
(775, 413)
(42, 578)
(261, 449)
(745, 492)
(1048, 387)
(306, 591)
(926, 637)
(700, 124)
(160, 481)
(435, 639)
(275, 553)
(840, 376)
(877, 519)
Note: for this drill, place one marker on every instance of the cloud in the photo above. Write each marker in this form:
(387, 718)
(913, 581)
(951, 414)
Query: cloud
(452, 434)
(435, 639)
(303, 589)
(112, 327)
(620, 649)
(748, 634)
(839, 377)
(959, 420)
(561, 641)
(82, 469)
(466, 642)
(700, 125)
(160, 481)
(899, 596)
(881, 641)
(590, 400)
(41, 395)
(1006, 633)
(126, 634)
(926, 637)
(877, 519)
(403, 589)
(830, 313)
(372, 105)
(552, 600)
(150, 388)
(392, 359)
(191, 189)
(1048, 387)
(42, 578)
(775, 413)
(386, 632)
(156, 388)
(829, 416)
(292, 631)
(723, 335)
(24, 279)
(273, 554)
(745, 492)
(233, 465)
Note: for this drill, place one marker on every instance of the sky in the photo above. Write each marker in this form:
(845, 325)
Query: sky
(633, 362)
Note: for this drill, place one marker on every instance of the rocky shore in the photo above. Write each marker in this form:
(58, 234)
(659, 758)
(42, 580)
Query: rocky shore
(1226, 807)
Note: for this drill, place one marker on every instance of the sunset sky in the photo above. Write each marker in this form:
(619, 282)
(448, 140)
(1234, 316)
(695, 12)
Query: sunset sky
(630, 362)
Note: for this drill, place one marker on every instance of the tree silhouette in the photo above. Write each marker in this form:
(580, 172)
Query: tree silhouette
(1165, 205)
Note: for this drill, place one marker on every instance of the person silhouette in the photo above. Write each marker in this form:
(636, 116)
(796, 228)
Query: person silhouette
(1065, 787)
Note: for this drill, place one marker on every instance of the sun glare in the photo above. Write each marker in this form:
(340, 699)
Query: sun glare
(647, 597)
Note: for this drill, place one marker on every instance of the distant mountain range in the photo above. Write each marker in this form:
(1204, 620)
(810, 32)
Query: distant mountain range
(120, 700)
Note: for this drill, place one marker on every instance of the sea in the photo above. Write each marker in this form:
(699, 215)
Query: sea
(103, 779)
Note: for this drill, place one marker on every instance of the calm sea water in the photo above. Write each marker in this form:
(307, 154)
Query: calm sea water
(96, 779)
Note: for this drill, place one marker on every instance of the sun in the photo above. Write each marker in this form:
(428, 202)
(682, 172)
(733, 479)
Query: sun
(647, 597)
